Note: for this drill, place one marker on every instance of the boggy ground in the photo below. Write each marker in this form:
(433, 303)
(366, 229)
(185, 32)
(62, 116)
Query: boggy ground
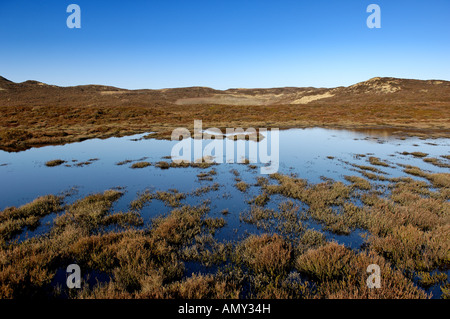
(36, 114)
(407, 225)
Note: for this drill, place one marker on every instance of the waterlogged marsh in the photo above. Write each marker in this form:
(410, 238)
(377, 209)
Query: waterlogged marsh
(331, 186)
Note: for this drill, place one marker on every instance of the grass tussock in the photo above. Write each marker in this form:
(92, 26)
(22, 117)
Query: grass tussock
(376, 161)
(436, 162)
(14, 220)
(415, 154)
(242, 186)
(269, 254)
(203, 163)
(170, 198)
(427, 280)
(207, 176)
(260, 200)
(140, 165)
(205, 189)
(54, 163)
(358, 182)
(286, 220)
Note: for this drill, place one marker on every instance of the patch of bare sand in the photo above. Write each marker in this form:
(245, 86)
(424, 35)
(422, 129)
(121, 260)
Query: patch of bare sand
(230, 99)
(310, 98)
(378, 85)
(112, 92)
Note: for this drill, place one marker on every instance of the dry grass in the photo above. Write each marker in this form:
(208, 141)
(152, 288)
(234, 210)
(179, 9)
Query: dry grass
(242, 186)
(205, 189)
(376, 161)
(427, 280)
(341, 273)
(436, 162)
(358, 182)
(162, 165)
(415, 154)
(13, 220)
(269, 254)
(261, 199)
(140, 165)
(55, 162)
(206, 176)
(171, 198)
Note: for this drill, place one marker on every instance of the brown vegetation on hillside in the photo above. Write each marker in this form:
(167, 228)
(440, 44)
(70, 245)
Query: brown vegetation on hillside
(36, 114)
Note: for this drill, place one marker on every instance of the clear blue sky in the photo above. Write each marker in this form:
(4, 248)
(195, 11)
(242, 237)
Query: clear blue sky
(223, 44)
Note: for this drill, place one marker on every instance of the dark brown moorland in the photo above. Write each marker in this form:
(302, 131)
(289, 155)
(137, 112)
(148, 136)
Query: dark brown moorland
(36, 114)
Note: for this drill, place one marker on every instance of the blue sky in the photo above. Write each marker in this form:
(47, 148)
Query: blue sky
(223, 44)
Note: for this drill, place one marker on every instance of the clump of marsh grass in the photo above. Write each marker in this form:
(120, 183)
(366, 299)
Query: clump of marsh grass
(214, 223)
(87, 213)
(208, 176)
(375, 177)
(180, 225)
(207, 250)
(86, 163)
(54, 163)
(143, 198)
(171, 198)
(123, 219)
(242, 186)
(140, 165)
(436, 162)
(440, 180)
(124, 162)
(427, 280)
(415, 154)
(13, 220)
(269, 254)
(198, 286)
(358, 182)
(260, 200)
(184, 164)
(410, 248)
(235, 172)
(162, 165)
(205, 189)
(376, 161)
(286, 220)
(366, 168)
(445, 291)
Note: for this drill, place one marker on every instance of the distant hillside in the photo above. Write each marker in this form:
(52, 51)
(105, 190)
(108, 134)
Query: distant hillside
(391, 91)
(35, 114)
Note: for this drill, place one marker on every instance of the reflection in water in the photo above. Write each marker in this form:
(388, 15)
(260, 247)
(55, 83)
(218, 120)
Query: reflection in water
(312, 154)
